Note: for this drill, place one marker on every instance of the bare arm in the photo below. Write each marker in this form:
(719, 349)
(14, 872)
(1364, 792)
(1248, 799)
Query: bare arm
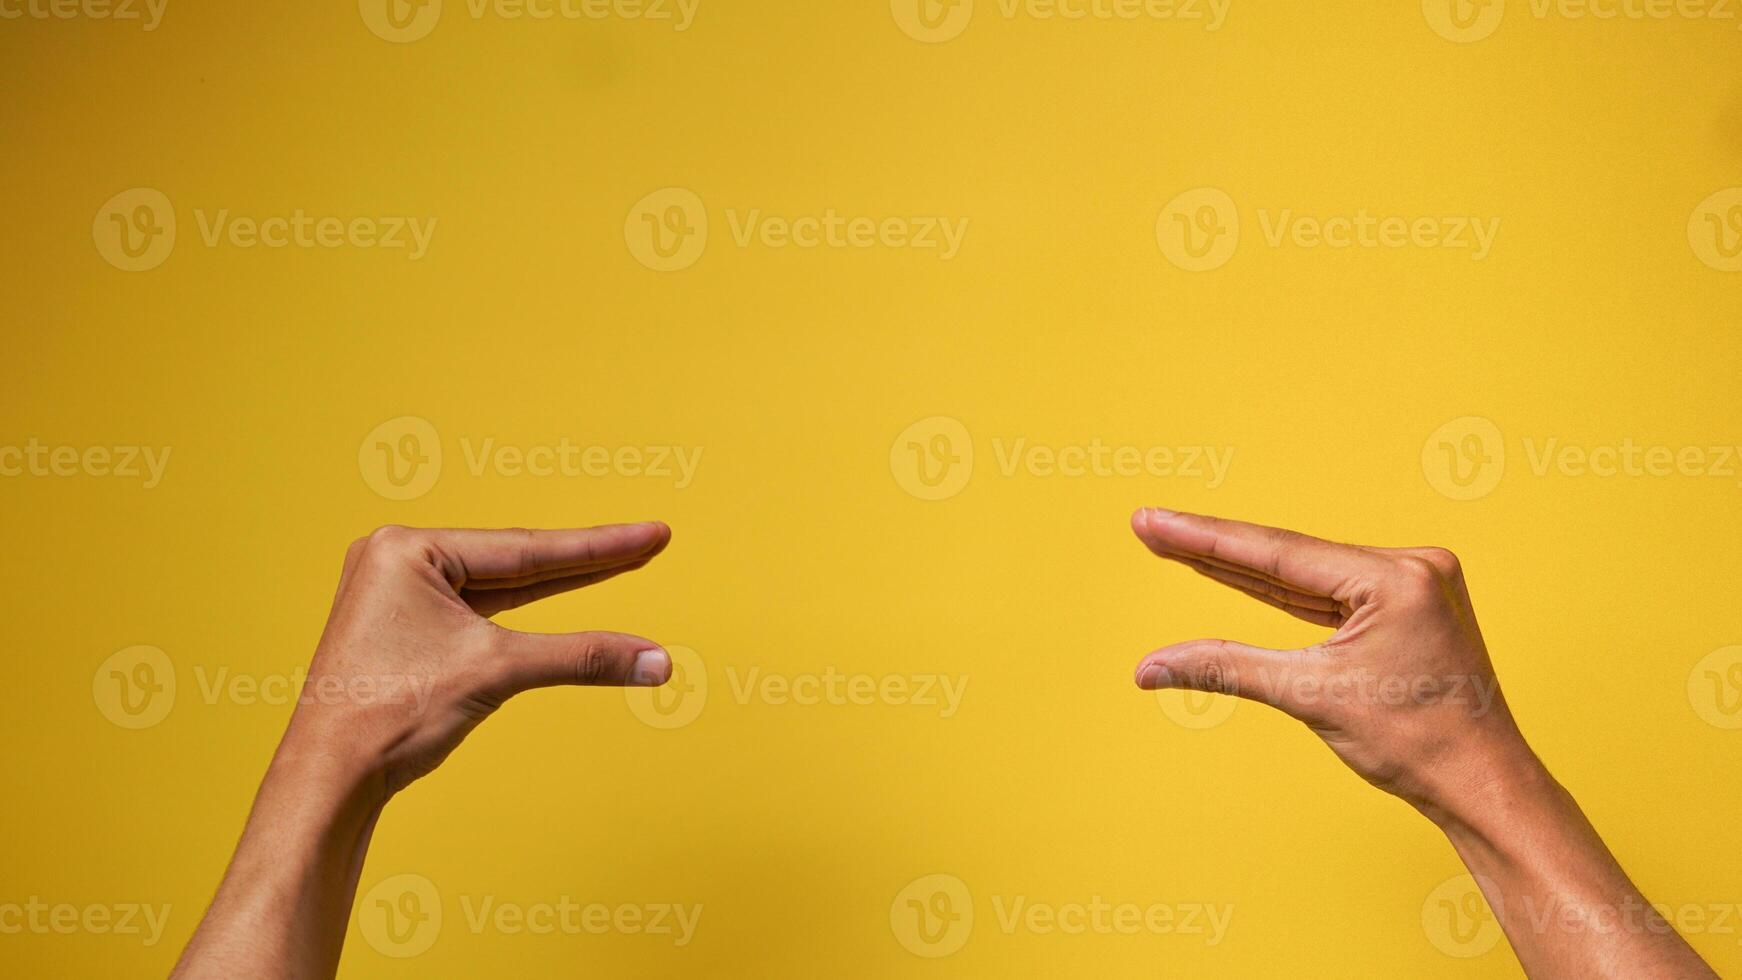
(408, 665)
(1404, 693)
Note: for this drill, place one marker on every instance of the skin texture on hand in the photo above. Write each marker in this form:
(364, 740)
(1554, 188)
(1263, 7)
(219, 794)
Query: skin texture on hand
(1404, 693)
(408, 665)
(412, 610)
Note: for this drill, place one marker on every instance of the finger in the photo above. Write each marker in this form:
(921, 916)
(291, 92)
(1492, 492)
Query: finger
(1317, 617)
(1303, 563)
(518, 556)
(1253, 585)
(490, 601)
(530, 660)
(520, 581)
(1231, 567)
(1224, 667)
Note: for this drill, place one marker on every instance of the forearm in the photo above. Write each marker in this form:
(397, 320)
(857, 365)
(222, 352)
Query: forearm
(1566, 905)
(282, 908)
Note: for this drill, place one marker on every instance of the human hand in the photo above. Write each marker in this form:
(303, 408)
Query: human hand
(1403, 691)
(410, 662)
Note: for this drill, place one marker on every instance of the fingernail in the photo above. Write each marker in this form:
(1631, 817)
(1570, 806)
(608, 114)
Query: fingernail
(1158, 512)
(1152, 677)
(652, 668)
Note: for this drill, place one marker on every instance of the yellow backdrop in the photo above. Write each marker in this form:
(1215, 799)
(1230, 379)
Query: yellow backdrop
(894, 312)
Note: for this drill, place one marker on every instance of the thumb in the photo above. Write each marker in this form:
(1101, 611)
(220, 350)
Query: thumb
(1222, 667)
(596, 659)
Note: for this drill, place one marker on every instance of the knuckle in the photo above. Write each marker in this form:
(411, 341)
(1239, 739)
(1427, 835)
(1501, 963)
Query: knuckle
(1417, 578)
(1212, 674)
(592, 662)
(391, 537)
(525, 557)
(1443, 561)
(395, 542)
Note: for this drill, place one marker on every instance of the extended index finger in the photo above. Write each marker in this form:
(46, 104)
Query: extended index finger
(521, 556)
(1288, 557)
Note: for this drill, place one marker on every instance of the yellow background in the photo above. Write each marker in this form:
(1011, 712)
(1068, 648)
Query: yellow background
(797, 548)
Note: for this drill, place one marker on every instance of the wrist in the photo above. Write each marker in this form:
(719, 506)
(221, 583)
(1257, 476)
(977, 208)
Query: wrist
(1474, 781)
(1485, 798)
(328, 767)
